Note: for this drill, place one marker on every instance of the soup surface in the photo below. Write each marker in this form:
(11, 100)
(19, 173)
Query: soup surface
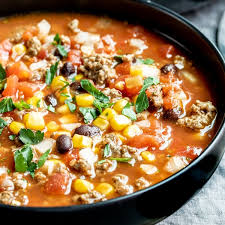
(93, 108)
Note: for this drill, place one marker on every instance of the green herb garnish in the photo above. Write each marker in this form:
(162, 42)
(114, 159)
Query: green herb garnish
(50, 73)
(12, 137)
(21, 105)
(99, 105)
(142, 102)
(71, 106)
(89, 114)
(6, 105)
(27, 136)
(146, 61)
(58, 43)
(107, 151)
(3, 124)
(87, 85)
(101, 161)
(50, 108)
(127, 111)
(23, 160)
(125, 160)
(119, 59)
(2, 73)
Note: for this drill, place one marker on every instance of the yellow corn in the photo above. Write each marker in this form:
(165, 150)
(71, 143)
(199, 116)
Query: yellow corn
(34, 121)
(101, 123)
(84, 100)
(132, 131)
(108, 113)
(82, 186)
(57, 83)
(105, 189)
(63, 98)
(79, 77)
(52, 126)
(133, 82)
(19, 49)
(52, 166)
(64, 109)
(137, 70)
(97, 150)
(121, 137)
(61, 132)
(119, 105)
(120, 85)
(34, 101)
(119, 122)
(69, 118)
(80, 141)
(148, 156)
(15, 127)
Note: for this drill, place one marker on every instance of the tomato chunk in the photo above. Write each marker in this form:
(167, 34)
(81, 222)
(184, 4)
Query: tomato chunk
(28, 88)
(19, 69)
(74, 57)
(74, 154)
(12, 85)
(123, 68)
(57, 184)
(143, 141)
(5, 48)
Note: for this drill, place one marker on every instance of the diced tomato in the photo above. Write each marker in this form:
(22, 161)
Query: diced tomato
(190, 152)
(166, 51)
(132, 91)
(19, 69)
(74, 154)
(74, 57)
(28, 88)
(12, 86)
(123, 68)
(42, 54)
(5, 48)
(57, 184)
(28, 34)
(143, 141)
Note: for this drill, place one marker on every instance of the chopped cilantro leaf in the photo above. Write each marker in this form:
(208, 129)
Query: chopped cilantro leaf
(125, 160)
(99, 105)
(27, 136)
(128, 111)
(72, 106)
(146, 61)
(89, 114)
(50, 73)
(50, 108)
(107, 151)
(21, 105)
(2, 73)
(6, 105)
(12, 137)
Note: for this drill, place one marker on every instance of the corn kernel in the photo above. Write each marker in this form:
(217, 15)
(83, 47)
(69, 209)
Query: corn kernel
(63, 95)
(134, 82)
(119, 122)
(52, 166)
(144, 70)
(97, 150)
(58, 82)
(148, 156)
(101, 123)
(120, 85)
(82, 186)
(34, 101)
(78, 77)
(119, 105)
(84, 100)
(64, 109)
(15, 127)
(105, 189)
(35, 121)
(25, 118)
(19, 49)
(136, 70)
(135, 99)
(132, 131)
(108, 113)
(80, 141)
(69, 118)
(61, 132)
(52, 126)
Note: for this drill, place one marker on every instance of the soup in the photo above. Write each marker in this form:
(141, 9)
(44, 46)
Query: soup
(93, 108)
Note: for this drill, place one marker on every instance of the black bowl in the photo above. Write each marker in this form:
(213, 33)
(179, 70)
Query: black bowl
(159, 201)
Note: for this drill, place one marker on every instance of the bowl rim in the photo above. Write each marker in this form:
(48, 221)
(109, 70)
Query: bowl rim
(218, 135)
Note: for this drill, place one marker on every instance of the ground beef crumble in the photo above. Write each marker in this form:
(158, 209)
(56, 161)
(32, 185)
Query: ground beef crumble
(156, 97)
(113, 94)
(141, 183)
(200, 116)
(34, 46)
(120, 184)
(105, 167)
(98, 68)
(88, 198)
(82, 166)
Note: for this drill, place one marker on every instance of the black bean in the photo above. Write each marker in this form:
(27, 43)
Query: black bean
(68, 69)
(63, 144)
(57, 53)
(87, 130)
(51, 100)
(169, 68)
(76, 86)
(172, 114)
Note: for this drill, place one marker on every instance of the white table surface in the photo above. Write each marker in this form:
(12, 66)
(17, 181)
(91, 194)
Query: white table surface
(208, 206)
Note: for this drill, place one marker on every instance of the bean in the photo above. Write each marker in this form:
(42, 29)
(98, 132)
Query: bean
(51, 100)
(63, 144)
(68, 69)
(87, 130)
(169, 68)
